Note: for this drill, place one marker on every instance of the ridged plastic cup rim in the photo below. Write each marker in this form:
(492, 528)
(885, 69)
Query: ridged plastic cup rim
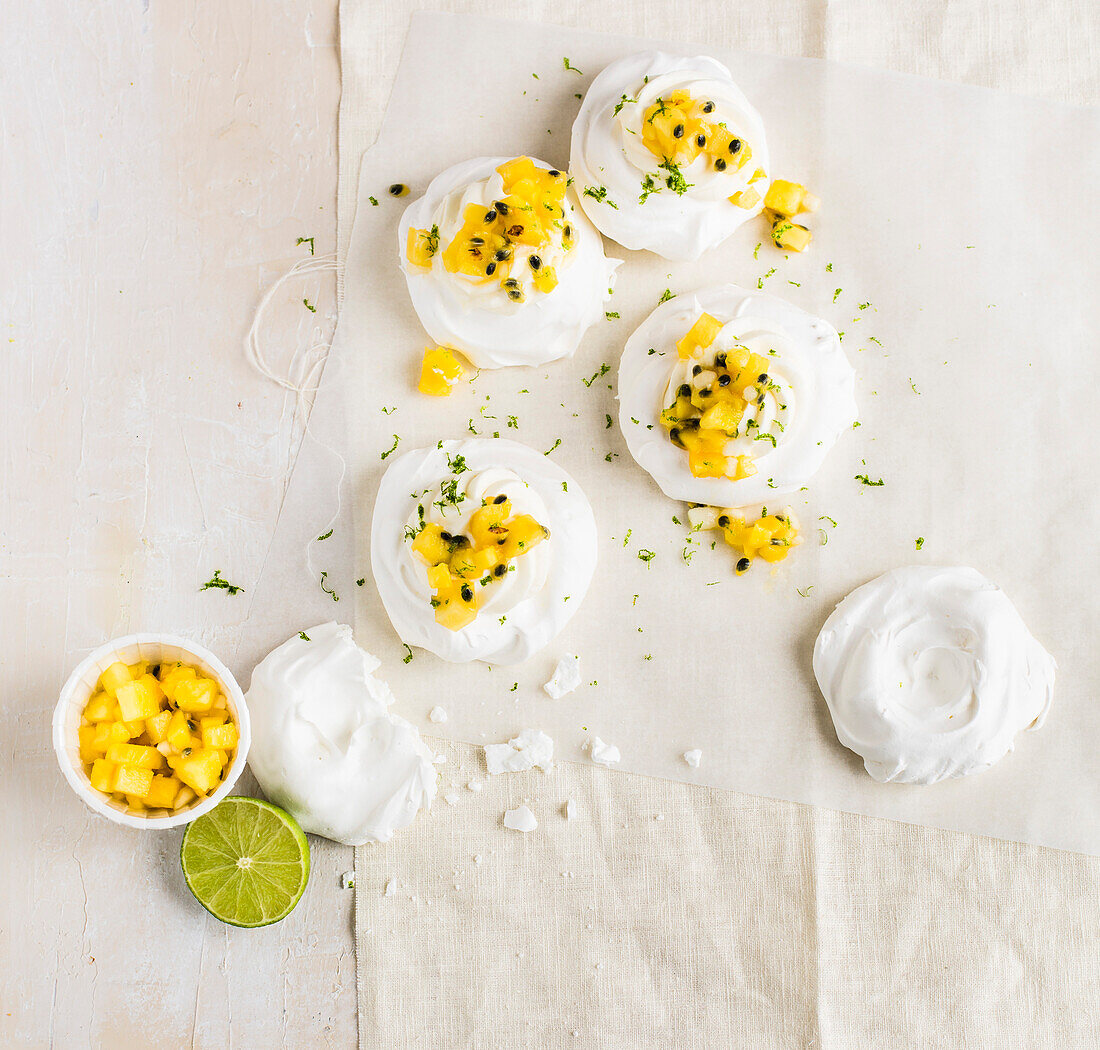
(81, 684)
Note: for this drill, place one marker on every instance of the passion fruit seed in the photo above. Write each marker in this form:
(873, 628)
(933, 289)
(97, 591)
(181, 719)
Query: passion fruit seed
(708, 107)
(700, 141)
(502, 255)
(762, 378)
(743, 565)
(678, 131)
(535, 262)
(696, 370)
(398, 189)
(490, 215)
(719, 164)
(501, 207)
(499, 570)
(724, 380)
(446, 537)
(515, 294)
(491, 269)
(684, 391)
(467, 594)
(500, 499)
(723, 520)
(554, 173)
(735, 145)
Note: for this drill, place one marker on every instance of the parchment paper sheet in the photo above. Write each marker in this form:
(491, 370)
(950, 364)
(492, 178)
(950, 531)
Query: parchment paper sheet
(942, 252)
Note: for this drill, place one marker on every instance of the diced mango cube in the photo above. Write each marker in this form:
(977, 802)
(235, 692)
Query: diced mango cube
(487, 523)
(99, 708)
(103, 775)
(421, 245)
(132, 780)
(439, 576)
(172, 678)
(699, 335)
(90, 744)
(178, 731)
(546, 279)
(141, 698)
(136, 755)
(455, 615)
(223, 737)
(117, 732)
(195, 694)
(789, 198)
(200, 770)
(138, 669)
(439, 371)
(790, 236)
(430, 545)
(162, 792)
(157, 726)
(524, 532)
(115, 675)
(185, 797)
(724, 416)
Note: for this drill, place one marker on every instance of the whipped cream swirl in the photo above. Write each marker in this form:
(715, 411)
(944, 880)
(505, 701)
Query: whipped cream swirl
(930, 673)
(808, 402)
(623, 188)
(522, 612)
(478, 317)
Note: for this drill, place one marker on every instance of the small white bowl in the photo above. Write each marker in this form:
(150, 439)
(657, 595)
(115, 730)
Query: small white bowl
(155, 648)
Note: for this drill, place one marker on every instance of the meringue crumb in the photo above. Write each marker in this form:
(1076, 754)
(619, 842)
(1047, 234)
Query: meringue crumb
(437, 714)
(450, 797)
(693, 757)
(520, 819)
(475, 785)
(531, 748)
(390, 888)
(569, 810)
(566, 677)
(347, 880)
(604, 754)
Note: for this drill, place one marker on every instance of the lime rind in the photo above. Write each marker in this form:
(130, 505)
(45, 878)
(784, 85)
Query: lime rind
(261, 893)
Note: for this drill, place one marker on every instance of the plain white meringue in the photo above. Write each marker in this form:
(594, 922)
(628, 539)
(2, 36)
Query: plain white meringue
(520, 819)
(325, 746)
(604, 754)
(478, 318)
(611, 164)
(930, 673)
(531, 748)
(811, 405)
(521, 613)
(566, 677)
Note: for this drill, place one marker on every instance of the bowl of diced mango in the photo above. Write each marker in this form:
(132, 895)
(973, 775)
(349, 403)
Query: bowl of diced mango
(151, 731)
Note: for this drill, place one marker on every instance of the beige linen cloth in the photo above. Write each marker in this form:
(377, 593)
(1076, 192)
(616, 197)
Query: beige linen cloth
(665, 915)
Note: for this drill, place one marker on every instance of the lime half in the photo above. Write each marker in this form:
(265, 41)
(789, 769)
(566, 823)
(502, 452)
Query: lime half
(246, 861)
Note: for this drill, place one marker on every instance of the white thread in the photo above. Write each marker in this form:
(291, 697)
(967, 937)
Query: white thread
(303, 372)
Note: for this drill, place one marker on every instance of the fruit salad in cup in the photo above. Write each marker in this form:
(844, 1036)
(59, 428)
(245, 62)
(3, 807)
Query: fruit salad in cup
(157, 736)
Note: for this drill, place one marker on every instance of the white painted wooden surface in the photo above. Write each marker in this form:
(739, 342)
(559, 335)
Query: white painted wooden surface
(158, 163)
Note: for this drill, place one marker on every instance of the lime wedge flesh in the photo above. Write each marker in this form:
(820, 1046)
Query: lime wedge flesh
(246, 861)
